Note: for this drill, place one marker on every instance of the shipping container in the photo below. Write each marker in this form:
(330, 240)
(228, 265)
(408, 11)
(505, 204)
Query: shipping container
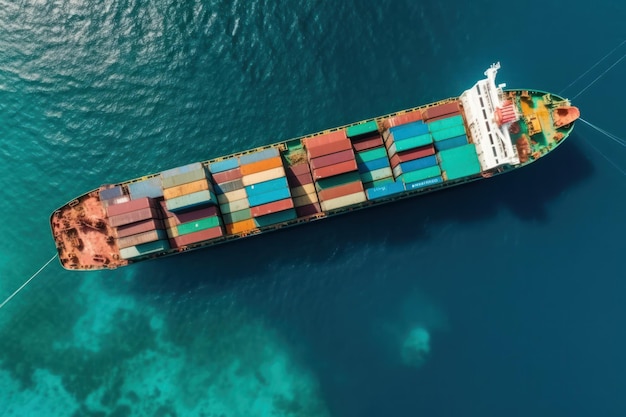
(111, 193)
(440, 110)
(414, 165)
(332, 159)
(227, 187)
(379, 174)
(373, 165)
(337, 180)
(232, 196)
(451, 143)
(270, 174)
(139, 227)
(421, 174)
(132, 205)
(411, 143)
(223, 165)
(258, 156)
(407, 131)
(196, 166)
(240, 227)
(308, 210)
(269, 208)
(266, 186)
(150, 187)
(164, 211)
(233, 206)
(141, 238)
(187, 202)
(345, 201)
(228, 175)
(302, 190)
(172, 232)
(333, 170)
(190, 216)
(401, 119)
(340, 190)
(305, 200)
(116, 200)
(274, 218)
(325, 139)
(189, 188)
(411, 154)
(300, 180)
(449, 132)
(184, 178)
(371, 155)
(445, 123)
(263, 165)
(237, 216)
(423, 183)
(144, 249)
(326, 149)
(275, 195)
(378, 183)
(362, 129)
(364, 144)
(385, 190)
(200, 224)
(299, 169)
(171, 222)
(459, 162)
(199, 236)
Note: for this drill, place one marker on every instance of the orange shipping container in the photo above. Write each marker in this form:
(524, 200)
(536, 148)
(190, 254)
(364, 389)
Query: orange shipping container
(260, 166)
(180, 190)
(341, 190)
(336, 169)
(402, 119)
(325, 138)
(239, 227)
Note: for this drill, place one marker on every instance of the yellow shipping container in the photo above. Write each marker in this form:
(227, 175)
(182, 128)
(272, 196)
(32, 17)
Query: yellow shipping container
(239, 227)
(180, 190)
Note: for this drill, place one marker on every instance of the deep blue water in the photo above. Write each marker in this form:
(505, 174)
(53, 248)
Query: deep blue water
(518, 280)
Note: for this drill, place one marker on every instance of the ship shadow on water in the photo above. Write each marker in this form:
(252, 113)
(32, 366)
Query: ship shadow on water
(527, 193)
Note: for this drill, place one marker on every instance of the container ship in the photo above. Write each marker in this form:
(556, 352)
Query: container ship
(486, 131)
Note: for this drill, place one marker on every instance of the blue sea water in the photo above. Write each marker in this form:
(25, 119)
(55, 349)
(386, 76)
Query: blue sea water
(503, 297)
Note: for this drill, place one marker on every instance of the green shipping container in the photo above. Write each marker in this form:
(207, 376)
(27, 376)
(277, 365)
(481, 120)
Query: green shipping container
(445, 123)
(460, 162)
(414, 142)
(362, 129)
(377, 174)
(450, 132)
(420, 174)
(196, 226)
(371, 155)
(279, 217)
(337, 180)
(237, 216)
(185, 178)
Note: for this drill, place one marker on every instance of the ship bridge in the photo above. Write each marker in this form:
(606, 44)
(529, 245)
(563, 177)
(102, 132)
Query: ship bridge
(488, 116)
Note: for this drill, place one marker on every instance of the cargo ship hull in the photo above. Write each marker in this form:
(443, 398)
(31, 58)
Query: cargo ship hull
(484, 132)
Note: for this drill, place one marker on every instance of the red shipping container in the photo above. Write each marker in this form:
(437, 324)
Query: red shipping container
(325, 149)
(134, 217)
(132, 205)
(325, 139)
(332, 159)
(191, 216)
(196, 237)
(299, 180)
(440, 110)
(445, 116)
(403, 119)
(272, 207)
(225, 176)
(367, 143)
(308, 210)
(340, 190)
(140, 227)
(412, 154)
(299, 169)
(329, 171)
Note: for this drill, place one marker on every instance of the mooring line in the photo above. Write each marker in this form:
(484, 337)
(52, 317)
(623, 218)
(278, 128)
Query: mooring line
(600, 76)
(610, 135)
(606, 157)
(594, 65)
(26, 283)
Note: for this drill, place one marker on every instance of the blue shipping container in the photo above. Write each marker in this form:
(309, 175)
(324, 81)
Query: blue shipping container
(269, 197)
(419, 163)
(258, 156)
(385, 190)
(181, 170)
(266, 186)
(188, 201)
(223, 165)
(279, 217)
(146, 188)
(423, 183)
(409, 130)
(451, 143)
(111, 193)
(373, 165)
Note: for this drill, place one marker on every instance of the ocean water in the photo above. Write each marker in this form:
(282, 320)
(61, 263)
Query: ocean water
(503, 297)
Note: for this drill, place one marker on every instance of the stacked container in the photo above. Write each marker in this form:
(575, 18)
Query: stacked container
(441, 111)
(138, 227)
(150, 187)
(112, 195)
(335, 170)
(232, 196)
(401, 119)
(459, 162)
(265, 183)
(303, 191)
(448, 132)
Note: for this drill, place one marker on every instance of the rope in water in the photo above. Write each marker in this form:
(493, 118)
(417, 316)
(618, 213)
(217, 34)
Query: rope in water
(610, 135)
(26, 283)
(606, 157)
(600, 76)
(590, 69)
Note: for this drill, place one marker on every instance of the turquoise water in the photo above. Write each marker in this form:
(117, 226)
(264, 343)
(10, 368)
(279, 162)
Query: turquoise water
(501, 297)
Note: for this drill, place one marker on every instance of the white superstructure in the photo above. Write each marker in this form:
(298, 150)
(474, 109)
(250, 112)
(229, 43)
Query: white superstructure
(491, 136)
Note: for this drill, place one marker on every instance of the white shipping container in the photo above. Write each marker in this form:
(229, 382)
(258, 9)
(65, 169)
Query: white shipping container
(235, 206)
(232, 196)
(270, 174)
(303, 190)
(346, 200)
(306, 199)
